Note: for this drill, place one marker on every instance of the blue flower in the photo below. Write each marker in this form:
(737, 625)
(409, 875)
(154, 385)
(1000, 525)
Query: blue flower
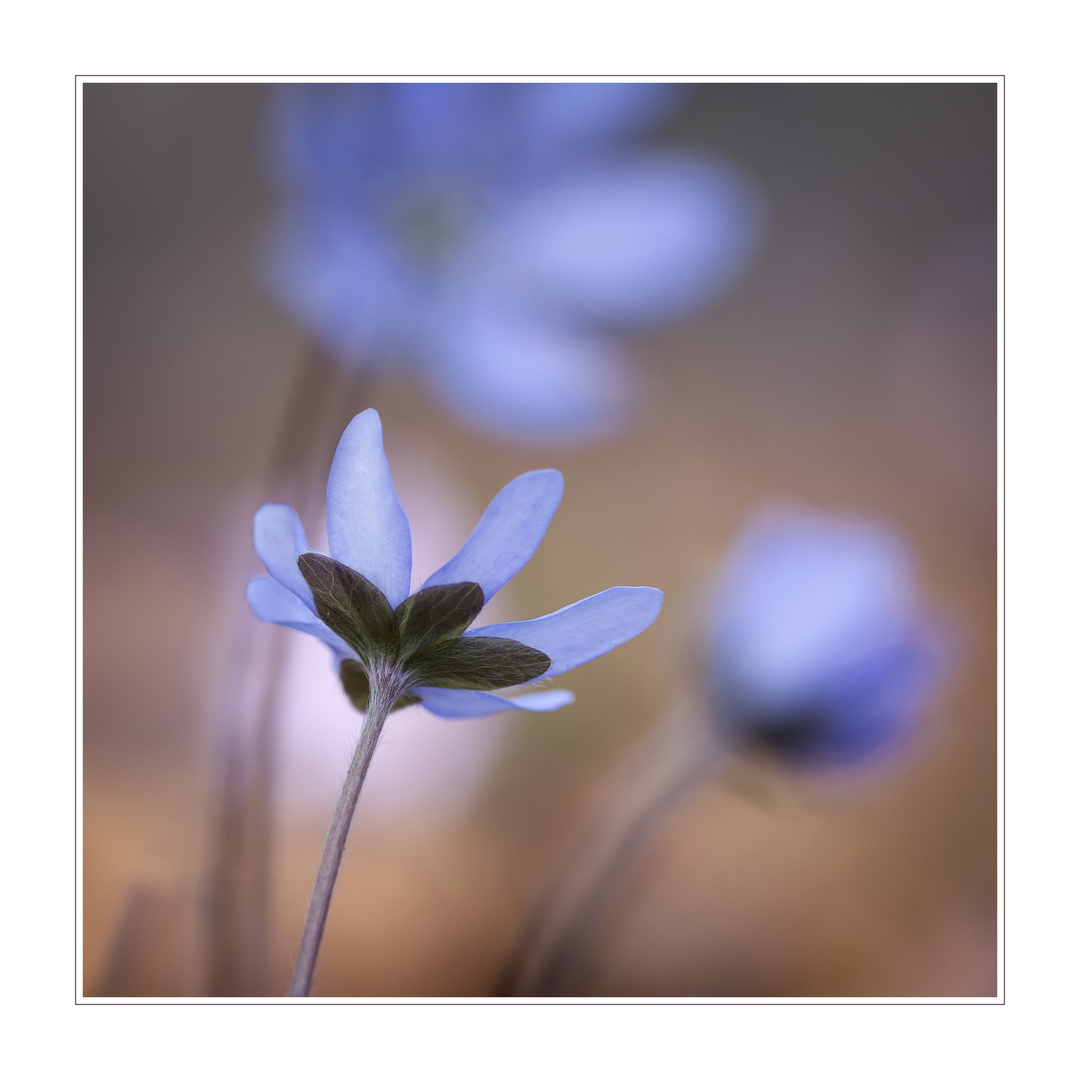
(358, 600)
(487, 235)
(816, 646)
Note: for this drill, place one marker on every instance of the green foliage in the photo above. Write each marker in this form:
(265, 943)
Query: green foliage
(479, 663)
(422, 637)
(437, 614)
(351, 606)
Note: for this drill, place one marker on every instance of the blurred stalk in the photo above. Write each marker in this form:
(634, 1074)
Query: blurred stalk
(322, 402)
(121, 974)
(559, 934)
(153, 953)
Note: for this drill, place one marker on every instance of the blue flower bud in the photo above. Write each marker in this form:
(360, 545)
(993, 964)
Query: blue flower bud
(817, 648)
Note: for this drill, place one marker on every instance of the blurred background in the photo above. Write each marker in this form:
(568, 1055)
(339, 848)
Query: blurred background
(850, 368)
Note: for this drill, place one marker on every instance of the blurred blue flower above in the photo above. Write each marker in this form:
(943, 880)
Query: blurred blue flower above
(369, 537)
(488, 237)
(816, 645)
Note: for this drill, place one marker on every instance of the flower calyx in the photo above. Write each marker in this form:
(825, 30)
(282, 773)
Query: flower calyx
(420, 640)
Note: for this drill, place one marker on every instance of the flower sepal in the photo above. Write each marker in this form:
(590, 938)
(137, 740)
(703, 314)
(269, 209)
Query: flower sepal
(421, 639)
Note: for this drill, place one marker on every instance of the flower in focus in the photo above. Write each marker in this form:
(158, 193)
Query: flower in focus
(816, 646)
(486, 235)
(357, 599)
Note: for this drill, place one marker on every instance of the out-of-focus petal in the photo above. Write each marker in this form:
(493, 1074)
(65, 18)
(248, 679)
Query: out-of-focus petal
(465, 704)
(273, 603)
(803, 600)
(527, 378)
(581, 632)
(816, 644)
(443, 127)
(341, 280)
(279, 541)
(565, 118)
(633, 242)
(324, 136)
(366, 526)
(507, 535)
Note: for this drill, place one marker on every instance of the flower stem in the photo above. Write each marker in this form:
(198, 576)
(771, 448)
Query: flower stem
(386, 687)
(568, 952)
(558, 937)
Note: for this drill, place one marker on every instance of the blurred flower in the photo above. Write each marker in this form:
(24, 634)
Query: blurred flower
(357, 600)
(816, 646)
(486, 234)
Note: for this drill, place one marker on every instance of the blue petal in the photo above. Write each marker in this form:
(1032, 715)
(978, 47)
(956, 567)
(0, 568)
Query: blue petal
(571, 117)
(341, 279)
(443, 127)
(633, 242)
(507, 535)
(323, 137)
(366, 526)
(581, 632)
(804, 602)
(279, 542)
(815, 638)
(527, 378)
(273, 603)
(465, 704)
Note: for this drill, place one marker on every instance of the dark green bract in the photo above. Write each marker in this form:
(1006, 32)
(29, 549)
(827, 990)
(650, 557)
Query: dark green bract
(421, 637)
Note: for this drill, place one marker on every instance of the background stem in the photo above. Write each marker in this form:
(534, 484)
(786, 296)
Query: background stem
(558, 936)
(322, 401)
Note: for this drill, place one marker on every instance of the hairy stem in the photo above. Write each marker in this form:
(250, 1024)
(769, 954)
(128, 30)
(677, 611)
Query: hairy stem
(386, 686)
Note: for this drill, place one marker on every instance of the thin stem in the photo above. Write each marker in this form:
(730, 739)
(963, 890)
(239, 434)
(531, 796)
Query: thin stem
(558, 936)
(568, 952)
(386, 686)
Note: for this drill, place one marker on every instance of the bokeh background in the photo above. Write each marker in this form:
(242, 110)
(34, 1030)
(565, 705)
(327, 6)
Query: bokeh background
(852, 369)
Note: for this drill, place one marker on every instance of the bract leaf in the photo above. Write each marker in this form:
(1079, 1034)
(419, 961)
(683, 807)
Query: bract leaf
(477, 663)
(351, 606)
(437, 613)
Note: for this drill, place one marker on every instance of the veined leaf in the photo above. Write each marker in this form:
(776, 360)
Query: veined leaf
(436, 614)
(477, 663)
(351, 606)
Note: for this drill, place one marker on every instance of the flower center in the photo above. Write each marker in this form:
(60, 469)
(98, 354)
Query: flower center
(430, 221)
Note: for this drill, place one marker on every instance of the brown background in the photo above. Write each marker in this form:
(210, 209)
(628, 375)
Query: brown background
(852, 369)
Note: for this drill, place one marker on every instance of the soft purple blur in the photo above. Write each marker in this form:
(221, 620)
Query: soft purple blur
(852, 370)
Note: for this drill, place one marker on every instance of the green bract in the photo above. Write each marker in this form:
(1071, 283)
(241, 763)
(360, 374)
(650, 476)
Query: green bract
(420, 638)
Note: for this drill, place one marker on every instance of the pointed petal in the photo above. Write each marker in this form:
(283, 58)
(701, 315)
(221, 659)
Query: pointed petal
(465, 704)
(279, 542)
(634, 242)
(507, 535)
(525, 377)
(273, 603)
(581, 632)
(367, 528)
